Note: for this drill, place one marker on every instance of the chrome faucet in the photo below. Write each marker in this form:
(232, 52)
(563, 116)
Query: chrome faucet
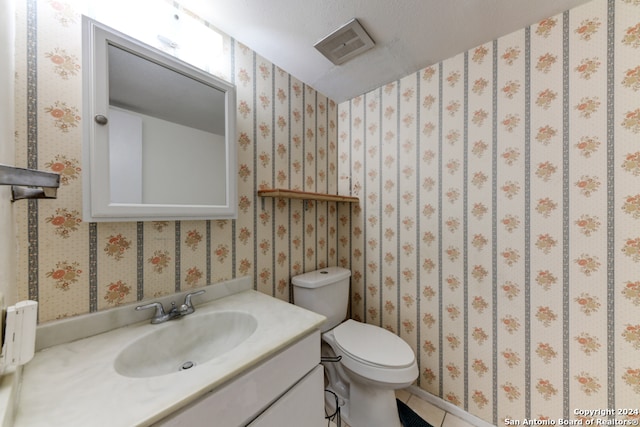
(176, 312)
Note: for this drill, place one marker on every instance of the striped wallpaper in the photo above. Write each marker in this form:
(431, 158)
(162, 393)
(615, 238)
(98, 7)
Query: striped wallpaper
(498, 226)
(286, 138)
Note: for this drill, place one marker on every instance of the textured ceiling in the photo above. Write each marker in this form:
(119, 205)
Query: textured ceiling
(409, 34)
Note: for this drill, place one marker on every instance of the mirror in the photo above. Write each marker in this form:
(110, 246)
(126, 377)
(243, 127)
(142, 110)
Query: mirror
(159, 140)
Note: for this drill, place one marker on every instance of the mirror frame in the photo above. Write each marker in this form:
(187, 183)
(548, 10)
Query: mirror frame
(97, 204)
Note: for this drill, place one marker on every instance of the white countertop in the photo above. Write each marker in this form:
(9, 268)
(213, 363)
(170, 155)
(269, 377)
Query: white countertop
(75, 384)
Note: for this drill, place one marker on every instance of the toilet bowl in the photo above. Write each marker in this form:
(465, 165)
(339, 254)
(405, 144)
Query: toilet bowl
(374, 362)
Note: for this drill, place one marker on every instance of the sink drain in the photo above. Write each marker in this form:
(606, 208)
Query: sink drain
(187, 365)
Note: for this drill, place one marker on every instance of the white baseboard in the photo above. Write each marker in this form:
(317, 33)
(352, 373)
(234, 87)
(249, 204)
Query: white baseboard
(448, 407)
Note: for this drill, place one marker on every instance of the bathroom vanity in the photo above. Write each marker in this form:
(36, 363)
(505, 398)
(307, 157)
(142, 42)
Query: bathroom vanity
(266, 376)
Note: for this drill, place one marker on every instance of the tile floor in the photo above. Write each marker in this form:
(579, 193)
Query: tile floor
(431, 414)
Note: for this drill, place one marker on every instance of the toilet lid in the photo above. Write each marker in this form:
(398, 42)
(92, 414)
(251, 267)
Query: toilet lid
(373, 345)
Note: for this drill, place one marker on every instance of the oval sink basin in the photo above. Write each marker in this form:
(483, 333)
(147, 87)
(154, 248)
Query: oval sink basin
(184, 343)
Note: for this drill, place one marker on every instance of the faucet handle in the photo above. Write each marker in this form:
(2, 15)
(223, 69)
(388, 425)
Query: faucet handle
(187, 300)
(159, 314)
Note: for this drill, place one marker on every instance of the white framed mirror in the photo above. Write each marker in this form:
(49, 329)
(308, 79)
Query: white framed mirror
(158, 136)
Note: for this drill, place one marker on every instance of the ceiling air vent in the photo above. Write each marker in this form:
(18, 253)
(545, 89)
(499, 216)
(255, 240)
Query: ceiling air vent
(345, 43)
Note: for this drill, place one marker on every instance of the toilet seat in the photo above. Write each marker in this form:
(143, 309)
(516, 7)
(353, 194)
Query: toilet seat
(372, 345)
(373, 354)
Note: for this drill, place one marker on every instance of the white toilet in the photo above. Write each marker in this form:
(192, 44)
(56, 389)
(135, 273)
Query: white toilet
(374, 363)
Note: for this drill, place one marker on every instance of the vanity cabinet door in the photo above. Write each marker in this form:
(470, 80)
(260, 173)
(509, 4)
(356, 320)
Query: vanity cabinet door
(303, 405)
(251, 394)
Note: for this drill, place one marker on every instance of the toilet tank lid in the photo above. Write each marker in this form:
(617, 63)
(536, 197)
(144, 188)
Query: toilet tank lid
(322, 277)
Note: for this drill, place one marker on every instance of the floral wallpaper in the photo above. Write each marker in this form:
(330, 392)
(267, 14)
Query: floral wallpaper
(286, 137)
(497, 230)
(498, 226)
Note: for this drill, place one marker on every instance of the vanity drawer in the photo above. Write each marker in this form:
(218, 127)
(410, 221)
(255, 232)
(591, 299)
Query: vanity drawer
(303, 404)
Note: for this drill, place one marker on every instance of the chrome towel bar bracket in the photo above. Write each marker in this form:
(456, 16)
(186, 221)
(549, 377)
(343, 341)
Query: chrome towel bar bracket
(22, 182)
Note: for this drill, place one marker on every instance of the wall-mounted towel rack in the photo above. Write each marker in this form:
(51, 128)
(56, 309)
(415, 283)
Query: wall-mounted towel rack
(22, 179)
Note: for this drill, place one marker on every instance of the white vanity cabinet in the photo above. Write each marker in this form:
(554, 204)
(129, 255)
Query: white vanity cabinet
(285, 390)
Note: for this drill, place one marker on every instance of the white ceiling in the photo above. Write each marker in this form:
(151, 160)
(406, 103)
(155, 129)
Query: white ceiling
(409, 34)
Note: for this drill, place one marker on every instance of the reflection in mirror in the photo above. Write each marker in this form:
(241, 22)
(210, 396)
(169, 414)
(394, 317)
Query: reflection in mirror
(163, 135)
(161, 145)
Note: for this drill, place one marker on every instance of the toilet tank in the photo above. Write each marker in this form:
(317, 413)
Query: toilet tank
(324, 291)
